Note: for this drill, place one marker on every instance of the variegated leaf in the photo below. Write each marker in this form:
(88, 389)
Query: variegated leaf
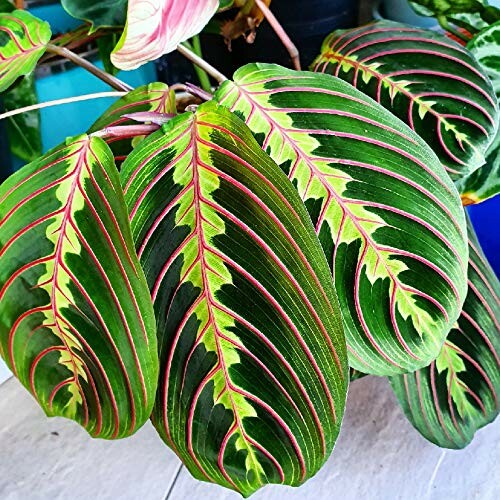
(484, 183)
(459, 393)
(77, 325)
(23, 40)
(156, 27)
(152, 98)
(386, 212)
(253, 358)
(430, 82)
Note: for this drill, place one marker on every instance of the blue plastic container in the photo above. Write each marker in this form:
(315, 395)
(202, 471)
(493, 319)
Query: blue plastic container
(485, 218)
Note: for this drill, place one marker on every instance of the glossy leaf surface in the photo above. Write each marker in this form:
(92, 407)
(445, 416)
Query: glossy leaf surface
(77, 324)
(459, 392)
(386, 213)
(155, 97)
(485, 182)
(253, 358)
(156, 27)
(427, 80)
(23, 39)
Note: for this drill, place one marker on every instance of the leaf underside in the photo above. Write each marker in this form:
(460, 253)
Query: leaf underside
(23, 39)
(388, 216)
(459, 392)
(252, 353)
(77, 325)
(427, 80)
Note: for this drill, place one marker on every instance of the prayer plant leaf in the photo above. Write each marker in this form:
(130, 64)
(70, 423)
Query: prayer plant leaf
(484, 183)
(77, 325)
(387, 214)
(427, 80)
(23, 40)
(151, 98)
(253, 365)
(157, 27)
(459, 393)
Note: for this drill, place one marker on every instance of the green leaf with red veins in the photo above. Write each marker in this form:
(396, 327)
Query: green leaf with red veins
(252, 352)
(77, 324)
(427, 80)
(23, 40)
(154, 98)
(387, 214)
(459, 393)
(484, 183)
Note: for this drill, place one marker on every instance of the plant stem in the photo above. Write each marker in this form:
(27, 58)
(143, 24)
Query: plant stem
(67, 100)
(198, 61)
(443, 22)
(202, 75)
(125, 131)
(282, 34)
(19, 4)
(80, 61)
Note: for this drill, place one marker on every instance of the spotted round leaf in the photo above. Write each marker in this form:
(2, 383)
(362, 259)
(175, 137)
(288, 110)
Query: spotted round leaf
(460, 392)
(23, 40)
(77, 324)
(387, 214)
(427, 80)
(252, 353)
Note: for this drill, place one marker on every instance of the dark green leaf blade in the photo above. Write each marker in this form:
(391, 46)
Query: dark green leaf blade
(459, 393)
(23, 130)
(252, 352)
(388, 216)
(428, 81)
(23, 39)
(77, 324)
(100, 13)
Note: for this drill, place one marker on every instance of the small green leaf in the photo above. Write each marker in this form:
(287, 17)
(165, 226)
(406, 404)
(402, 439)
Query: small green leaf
(77, 324)
(436, 8)
(23, 130)
(23, 40)
(154, 97)
(459, 393)
(425, 79)
(252, 351)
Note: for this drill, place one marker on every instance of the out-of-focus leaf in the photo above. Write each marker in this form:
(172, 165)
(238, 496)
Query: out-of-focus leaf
(436, 8)
(246, 21)
(7, 6)
(106, 44)
(459, 393)
(253, 356)
(23, 130)
(427, 80)
(23, 40)
(388, 216)
(155, 97)
(77, 324)
(97, 12)
(157, 27)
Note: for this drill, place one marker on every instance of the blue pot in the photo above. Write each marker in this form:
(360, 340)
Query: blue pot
(485, 218)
